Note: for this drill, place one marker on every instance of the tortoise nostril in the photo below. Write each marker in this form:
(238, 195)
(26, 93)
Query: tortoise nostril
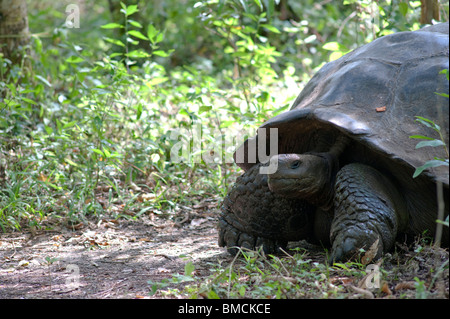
(295, 164)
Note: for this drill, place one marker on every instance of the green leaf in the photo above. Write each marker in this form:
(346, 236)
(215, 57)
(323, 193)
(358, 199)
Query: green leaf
(331, 46)
(429, 164)
(112, 26)
(244, 5)
(213, 295)
(156, 81)
(138, 54)
(113, 55)
(428, 123)
(131, 9)
(159, 38)
(188, 269)
(135, 23)
(74, 59)
(442, 94)
(114, 41)
(70, 162)
(249, 29)
(137, 34)
(48, 129)
(151, 32)
(443, 222)
(177, 278)
(204, 108)
(161, 53)
(50, 260)
(139, 109)
(335, 46)
(421, 137)
(242, 291)
(271, 28)
(403, 8)
(38, 45)
(98, 151)
(70, 124)
(132, 41)
(432, 143)
(254, 17)
(43, 80)
(106, 152)
(343, 266)
(336, 55)
(28, 100)
(259, 4)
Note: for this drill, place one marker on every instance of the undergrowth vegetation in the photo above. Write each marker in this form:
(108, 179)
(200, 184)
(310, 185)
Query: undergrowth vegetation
(107, 119)
(90, 117)
(254, 275)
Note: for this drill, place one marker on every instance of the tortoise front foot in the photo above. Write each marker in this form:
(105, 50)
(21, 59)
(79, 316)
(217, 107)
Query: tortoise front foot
(368, 213)
(356, 244)
(234, 239)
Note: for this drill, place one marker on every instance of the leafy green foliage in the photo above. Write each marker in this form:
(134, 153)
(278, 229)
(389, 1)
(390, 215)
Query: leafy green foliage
(87, 130)
(254, 275)
(87, 126)
(432, 142)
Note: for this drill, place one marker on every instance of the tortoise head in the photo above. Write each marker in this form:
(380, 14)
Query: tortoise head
(304, 176)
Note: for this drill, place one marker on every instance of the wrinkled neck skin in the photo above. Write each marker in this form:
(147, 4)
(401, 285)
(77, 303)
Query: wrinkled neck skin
(324, 196)
(331, 158)
(309, 176)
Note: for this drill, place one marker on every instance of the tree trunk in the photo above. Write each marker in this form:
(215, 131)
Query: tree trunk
(14, 33)
(430, 10)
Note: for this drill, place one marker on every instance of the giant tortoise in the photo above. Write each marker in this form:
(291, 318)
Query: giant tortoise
(346, 159)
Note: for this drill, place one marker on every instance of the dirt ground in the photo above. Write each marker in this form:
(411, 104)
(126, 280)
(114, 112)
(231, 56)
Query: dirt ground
(109, 259)
(116, 259)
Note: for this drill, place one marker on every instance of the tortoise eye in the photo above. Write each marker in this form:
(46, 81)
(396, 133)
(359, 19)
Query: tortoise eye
(295, 164)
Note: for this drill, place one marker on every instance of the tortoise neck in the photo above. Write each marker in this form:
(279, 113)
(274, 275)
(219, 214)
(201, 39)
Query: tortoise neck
(339, 146)
(325, 196)
(325, 201)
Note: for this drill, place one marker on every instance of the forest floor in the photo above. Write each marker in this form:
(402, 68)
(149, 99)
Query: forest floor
(117, 258)
(109, 259)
